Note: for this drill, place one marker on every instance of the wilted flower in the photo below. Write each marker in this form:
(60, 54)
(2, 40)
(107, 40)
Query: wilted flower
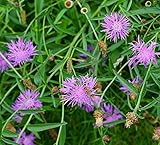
(26, 100)
(116, 26)
(3, 64)
(20, 51)
(136, 82)
(111, 113)
(26, 139)
(143, 53)
(79, 91)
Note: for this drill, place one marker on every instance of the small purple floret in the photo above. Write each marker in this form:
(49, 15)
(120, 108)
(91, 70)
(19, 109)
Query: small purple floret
(20, 51)
(111, 113)
(3, 64)
(116, 26)
(25, 101)
(26, 139)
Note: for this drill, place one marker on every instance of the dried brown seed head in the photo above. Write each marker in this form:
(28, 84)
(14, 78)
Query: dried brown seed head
(156, 134)
(55, 89)
(69, 66)
(98, 115)
(28, 83)
(106, 138)
(103, 47)
(131, 118)
(51, 58)
(98, 87)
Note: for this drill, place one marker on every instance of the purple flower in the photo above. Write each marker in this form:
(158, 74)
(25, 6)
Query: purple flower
(3, 64)
(135, 82)
(26, 139)
(79, 91)
(116, 26)
(111, 113)
(26, 100)
(20, 51)
(143, 53)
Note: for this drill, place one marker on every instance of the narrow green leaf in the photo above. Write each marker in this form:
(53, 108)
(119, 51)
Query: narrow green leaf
(155, 79)
(8, 142)
(63, 136)
(42, 127)
(7, 133)
(150, 10)
(127, 84)
(60, 15)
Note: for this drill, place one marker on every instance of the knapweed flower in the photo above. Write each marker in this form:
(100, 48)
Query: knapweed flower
(111, 113)
(116, 26)
(3, 64)
(136, 82)
(26, 139)
(25, 101)
(20, 51)
(143, 53)
(79, 91)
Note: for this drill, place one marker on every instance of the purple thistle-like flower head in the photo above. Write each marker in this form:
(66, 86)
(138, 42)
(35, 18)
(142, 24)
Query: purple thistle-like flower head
(116, 26)
(143, 53)
(111, 113)
(135, 81)
(20, 51)
(26, 139)
(79, 91)
(3, 64)
(27, 100)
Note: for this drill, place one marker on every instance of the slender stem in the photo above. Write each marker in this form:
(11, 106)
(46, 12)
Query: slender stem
(141, 92)
(8, 93)
(89, 21)
(10, 65)
(62, 117)
(111, 83)
(20, 134)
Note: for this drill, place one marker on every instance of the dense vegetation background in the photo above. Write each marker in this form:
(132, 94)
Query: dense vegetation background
(61, 34)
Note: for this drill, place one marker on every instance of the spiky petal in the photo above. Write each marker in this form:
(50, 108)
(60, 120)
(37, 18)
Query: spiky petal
(143, 53)
(116, 26)
(79, 91)
(111, 113)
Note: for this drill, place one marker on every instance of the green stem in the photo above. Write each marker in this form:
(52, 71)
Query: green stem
(11, 65)
(111, 83)
(20, 134)
(141, 92)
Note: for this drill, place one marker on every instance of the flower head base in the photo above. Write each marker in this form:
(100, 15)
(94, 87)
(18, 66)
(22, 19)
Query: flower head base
(3, 64)
(116, 26)
(20, 51)
(143, 53)
(111, 113)
(26, 100)
(26, 139)
(79, 91)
